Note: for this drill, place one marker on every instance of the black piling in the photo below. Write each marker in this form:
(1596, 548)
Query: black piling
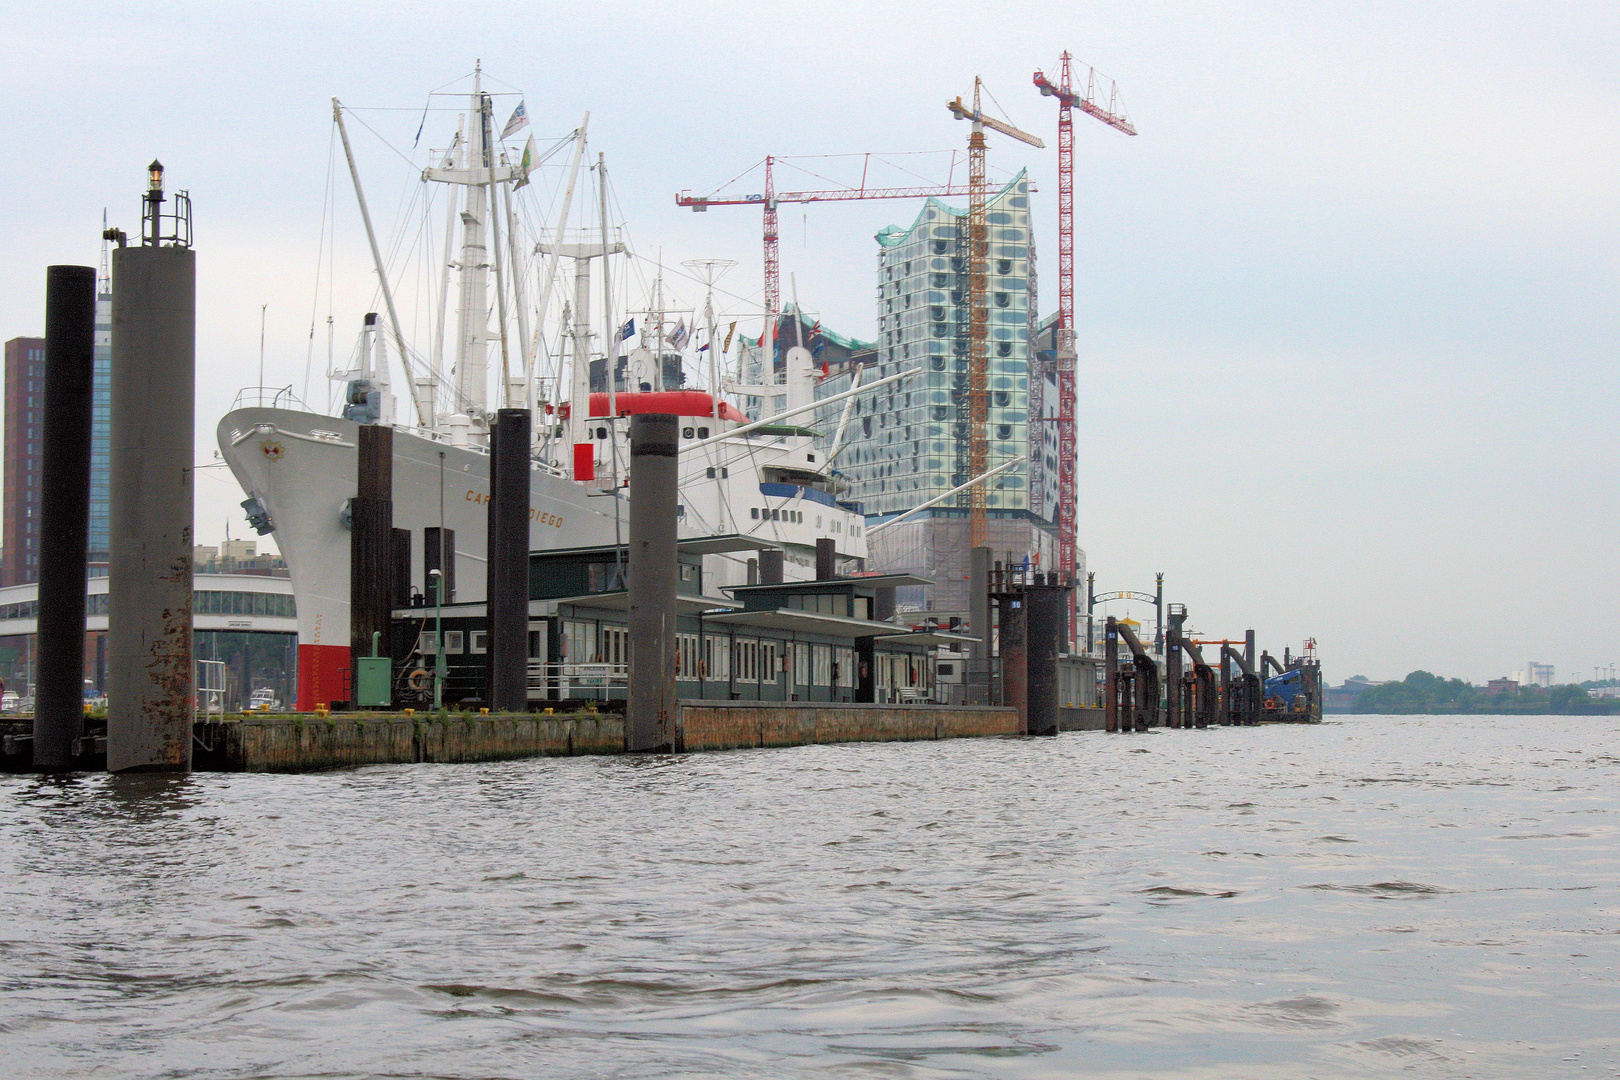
(371, 544)
(1013, 609)
(1045, 629)
(439, 553)
(883, 604)
(1175, 692)
(402, 568)
(826, 559)
(507, 673)
(70, 316)
(1111, 670)
(770, 567)
(650, 714)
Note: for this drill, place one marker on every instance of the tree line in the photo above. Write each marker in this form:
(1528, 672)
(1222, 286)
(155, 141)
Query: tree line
(1423, 692)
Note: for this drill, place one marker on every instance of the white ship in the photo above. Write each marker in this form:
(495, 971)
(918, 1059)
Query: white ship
(298, 467)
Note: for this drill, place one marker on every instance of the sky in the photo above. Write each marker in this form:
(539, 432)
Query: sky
(1345, 307)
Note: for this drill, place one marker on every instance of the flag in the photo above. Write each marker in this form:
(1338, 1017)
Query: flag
(726, 348)
(816, 350)
(627, 330)
(519, 120)
(825, 370)
(526, 164)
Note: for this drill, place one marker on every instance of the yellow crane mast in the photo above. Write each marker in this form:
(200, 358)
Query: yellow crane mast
(978, 304)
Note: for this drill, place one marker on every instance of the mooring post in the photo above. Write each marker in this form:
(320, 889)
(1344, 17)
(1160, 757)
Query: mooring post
(70, 317)
(1012, 609)
(371, 545)
(1226, 688)
(1172, 667)
(508, 578)
(1111, 669)
(151, 681)
(650, 713)
(1046, 610)
(826, 558)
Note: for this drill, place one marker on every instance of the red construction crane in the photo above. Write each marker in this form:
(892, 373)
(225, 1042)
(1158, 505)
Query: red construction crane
(978, 306)
(1114, 116)
(771, 198)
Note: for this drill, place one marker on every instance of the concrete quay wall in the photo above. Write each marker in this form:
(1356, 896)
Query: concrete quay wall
(304, 744)
(735, 725)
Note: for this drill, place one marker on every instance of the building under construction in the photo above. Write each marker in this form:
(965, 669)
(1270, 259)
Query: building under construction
(910, 442)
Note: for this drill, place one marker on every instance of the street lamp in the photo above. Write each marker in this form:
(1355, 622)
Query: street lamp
(438, 638)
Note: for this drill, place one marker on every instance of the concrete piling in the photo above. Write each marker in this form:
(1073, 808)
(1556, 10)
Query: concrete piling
(508, 604)
(150, 675)
(70, 315)
(651, 720)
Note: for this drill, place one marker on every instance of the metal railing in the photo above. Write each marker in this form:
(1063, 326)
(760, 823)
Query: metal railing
(211, 688)
(268, 397)
(569, 677)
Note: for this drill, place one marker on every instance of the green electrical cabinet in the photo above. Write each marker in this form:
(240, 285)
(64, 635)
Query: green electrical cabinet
(372, 678)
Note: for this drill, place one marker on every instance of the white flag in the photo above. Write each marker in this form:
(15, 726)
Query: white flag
(520, 119)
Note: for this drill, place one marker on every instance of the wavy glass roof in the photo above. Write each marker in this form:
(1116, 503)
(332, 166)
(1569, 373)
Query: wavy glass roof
(894, 235)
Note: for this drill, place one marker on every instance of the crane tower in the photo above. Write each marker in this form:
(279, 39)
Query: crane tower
(978, 306)
(1113, 115)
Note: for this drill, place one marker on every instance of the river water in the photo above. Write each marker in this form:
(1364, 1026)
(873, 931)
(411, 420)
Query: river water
(1373, 896)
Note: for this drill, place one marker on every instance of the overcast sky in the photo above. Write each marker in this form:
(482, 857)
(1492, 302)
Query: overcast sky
(1346, 308)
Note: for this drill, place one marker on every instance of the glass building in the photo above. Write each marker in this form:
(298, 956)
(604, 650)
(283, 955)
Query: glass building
(910, 441)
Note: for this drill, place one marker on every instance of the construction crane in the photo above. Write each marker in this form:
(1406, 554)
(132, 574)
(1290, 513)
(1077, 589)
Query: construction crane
(1113, 115)
(771, 198)
(978, 305)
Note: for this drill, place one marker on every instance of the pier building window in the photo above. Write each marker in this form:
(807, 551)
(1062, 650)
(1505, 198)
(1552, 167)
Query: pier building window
(478, 642)
(579, 641)
(846, 668)
(823, 665)
(686, 656)
(615, 645)
(453, 640)
(717, 657)
(747, 660)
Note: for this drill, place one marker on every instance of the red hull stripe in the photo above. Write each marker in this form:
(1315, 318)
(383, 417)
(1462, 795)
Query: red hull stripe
(323, 675)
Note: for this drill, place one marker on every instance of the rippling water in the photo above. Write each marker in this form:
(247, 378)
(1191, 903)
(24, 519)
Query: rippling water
(1369, 897)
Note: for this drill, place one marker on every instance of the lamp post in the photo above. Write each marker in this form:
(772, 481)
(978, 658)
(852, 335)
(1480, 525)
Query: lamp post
(438, 638)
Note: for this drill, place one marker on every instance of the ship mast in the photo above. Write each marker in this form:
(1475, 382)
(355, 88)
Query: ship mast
(472, 336)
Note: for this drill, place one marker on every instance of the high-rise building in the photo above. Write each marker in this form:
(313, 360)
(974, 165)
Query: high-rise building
(25, 422)
(911, 441)
(24, 437)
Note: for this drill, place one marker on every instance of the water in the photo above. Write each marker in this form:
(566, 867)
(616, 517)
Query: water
(1429, 897)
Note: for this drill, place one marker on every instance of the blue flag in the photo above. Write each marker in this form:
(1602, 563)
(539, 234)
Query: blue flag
(627, 330)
